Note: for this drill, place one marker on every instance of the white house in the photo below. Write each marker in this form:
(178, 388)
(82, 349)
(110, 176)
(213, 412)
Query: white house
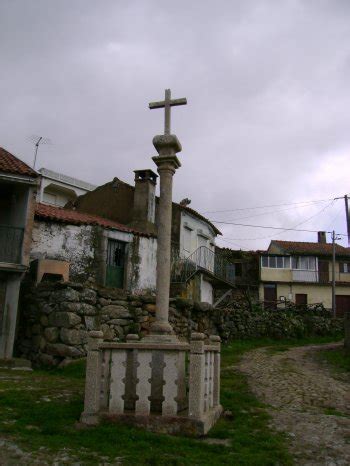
(58, 189)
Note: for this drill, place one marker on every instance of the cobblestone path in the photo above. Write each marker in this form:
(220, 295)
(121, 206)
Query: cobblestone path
(306, 400)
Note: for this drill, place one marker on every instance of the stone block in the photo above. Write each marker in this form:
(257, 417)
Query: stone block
(66, 294)
(63, 351)
(88, 296)
(67, 306)
(46, 359)
(108, 332)
(73, 336)
(46, 308)
(150, 308)
(120, 322)
(116, 312)
(64, 319)
(91, 322)
(88, 310)
(44, 320)
(51, 334)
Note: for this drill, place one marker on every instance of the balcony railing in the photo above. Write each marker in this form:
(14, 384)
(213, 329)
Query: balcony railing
(11, 239)
(203, 259)
(316, 276)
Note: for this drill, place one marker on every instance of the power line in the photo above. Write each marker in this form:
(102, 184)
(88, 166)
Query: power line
(271, 205)
(280, 228)
(277, 211)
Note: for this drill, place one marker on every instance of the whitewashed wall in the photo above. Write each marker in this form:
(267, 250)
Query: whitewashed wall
(76, 244)
(148, 264)
(201, 234)
(58, 241)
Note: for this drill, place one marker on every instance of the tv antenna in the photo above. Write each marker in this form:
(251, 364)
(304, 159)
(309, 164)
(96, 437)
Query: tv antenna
(38, 141)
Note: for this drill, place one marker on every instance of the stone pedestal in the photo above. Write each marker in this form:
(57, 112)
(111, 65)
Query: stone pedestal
(182, 402)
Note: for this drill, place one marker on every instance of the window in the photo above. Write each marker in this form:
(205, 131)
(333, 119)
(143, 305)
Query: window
(304, 263)
(202, 241)
(344, 267)
(238, 269)
(187, 239)
(275, 262)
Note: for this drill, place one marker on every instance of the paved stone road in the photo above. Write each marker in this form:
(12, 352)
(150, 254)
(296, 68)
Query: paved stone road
(307, 401)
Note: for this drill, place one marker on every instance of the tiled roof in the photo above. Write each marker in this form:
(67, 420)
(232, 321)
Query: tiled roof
(200, 216)
(11, 164)
(73, 217)
(303, 248)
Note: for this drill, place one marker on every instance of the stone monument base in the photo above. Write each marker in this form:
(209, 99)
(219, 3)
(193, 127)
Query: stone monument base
(169, 388)
(173, 425)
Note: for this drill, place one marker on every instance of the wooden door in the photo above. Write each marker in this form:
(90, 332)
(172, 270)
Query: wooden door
(115, 264)
(323, 271)
(270, 295)
(300, 299)
(342, 304)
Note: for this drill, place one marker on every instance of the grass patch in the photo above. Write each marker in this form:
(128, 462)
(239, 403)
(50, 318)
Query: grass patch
(333, 412)
(40, 409)
(337, 358)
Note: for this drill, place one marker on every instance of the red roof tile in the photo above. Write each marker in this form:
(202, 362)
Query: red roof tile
(318, 249)
(11, 164)
(73, 217)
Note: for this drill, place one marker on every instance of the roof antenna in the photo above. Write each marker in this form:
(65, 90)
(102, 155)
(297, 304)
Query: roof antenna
(38, 140)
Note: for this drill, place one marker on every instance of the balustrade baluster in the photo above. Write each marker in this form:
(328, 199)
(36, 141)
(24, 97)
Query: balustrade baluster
(143, 387)
(117, 389)
(105, 378)
(170, 389)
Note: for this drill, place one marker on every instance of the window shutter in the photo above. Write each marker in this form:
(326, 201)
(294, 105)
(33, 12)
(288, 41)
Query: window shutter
(341, 267)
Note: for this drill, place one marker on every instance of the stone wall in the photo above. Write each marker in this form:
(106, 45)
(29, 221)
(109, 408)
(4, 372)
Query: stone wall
(55, 319)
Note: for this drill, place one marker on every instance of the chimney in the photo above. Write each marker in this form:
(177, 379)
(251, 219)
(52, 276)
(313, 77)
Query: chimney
(143, 215)
(321, 237)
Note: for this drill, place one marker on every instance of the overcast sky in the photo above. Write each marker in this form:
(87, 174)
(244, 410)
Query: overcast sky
(267, 83)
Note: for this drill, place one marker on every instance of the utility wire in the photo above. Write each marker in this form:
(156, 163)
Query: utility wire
(279, 228)
(275, 211)
(271, 205)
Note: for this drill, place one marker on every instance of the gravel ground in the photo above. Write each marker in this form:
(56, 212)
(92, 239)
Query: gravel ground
(306, 400)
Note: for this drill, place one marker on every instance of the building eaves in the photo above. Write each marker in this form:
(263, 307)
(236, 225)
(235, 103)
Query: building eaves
(198, 215)
(9, 163)
(74, 217)
(307, 248)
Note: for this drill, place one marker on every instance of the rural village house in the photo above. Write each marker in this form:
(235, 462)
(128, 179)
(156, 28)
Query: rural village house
(301, 272)
(58, 189)
(96, 249)
(18, 184)
(196, 267)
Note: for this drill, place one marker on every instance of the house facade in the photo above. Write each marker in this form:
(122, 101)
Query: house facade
(96, 249)
(18, 186)
(192, 235)
(58, 189)
(301, 272)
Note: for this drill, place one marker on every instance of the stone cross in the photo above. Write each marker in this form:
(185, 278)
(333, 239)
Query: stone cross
(167, 103)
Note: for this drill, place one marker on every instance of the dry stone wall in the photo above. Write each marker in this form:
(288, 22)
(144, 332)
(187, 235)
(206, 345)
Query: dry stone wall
(55, 319)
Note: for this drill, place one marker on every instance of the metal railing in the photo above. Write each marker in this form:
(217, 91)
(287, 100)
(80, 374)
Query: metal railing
(11, 239)
(317, 276)
(205, 259)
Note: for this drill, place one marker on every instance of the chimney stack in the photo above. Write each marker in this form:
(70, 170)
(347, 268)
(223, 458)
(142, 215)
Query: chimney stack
(143, 216)
(322, 237)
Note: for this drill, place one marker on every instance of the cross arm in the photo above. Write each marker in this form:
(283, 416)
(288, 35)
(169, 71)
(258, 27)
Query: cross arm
(172, 103)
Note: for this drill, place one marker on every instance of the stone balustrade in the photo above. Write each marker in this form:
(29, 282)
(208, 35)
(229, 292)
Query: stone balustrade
(165, 387)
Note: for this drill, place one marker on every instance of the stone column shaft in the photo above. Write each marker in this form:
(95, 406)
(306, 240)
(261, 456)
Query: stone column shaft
(164, 243)
(167, 163)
